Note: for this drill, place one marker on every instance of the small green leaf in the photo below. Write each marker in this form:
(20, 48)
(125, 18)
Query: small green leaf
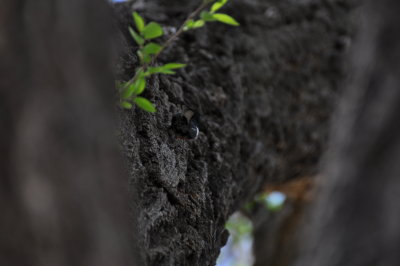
(145, 104)
(126, 105)
(139, 73)
(198, 24)
(188, 25)
(152, 30)
(166, 71)
(152, 48)
(217, 5)
(138, 39)
(136, 87)
(173, 65)
(140, 85)
(154, 70)
(139, 21)
(128, 92)
(224, 18)
(144, 58)
(191, 24)
(207, 16)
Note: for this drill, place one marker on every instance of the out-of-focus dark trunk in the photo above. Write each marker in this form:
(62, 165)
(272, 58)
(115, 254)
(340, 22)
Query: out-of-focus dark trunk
(356, 218)
(63, 193)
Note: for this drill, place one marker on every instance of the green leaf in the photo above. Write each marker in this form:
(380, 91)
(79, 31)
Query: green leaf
(144, 58)
(126, 105)
(152, 48)
(152, 30)
(151, 70)
(128, 92)
(139, 21)
(198, 24)
(224, 18)
(139, 73)
(140, 85)
(136, 87)
(217, 5)
(188, 25)
(154, 70)
(207, 16)
(173, 65)
(191, 24)
(145, 104)
(138, 39)
(165, 69)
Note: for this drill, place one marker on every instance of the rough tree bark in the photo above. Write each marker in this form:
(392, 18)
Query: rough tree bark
(264, 92)
(356, 221)
(63, 194)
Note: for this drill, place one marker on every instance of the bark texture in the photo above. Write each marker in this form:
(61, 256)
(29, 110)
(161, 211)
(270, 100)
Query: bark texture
(356, 221)
(264, 92)
(63, 194)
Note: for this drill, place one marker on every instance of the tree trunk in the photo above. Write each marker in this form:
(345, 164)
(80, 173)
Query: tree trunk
(356, 221)
(63, 194)
(264, 91)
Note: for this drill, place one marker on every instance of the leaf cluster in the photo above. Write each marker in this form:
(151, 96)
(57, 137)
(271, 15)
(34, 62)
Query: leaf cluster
(149, 51)
(143, 36)
(210, 16)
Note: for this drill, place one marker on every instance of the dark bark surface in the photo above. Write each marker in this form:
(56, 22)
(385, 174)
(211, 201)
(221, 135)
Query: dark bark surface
(63, 194)
(264, 92)
(356, 221)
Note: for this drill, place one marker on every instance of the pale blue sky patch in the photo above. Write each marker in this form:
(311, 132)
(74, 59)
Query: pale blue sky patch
(275, 200)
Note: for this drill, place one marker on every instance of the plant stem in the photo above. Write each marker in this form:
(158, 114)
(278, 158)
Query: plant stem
(181, 28)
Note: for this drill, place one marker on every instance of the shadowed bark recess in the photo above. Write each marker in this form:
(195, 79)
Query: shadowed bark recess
(264, 91)
(63, 194)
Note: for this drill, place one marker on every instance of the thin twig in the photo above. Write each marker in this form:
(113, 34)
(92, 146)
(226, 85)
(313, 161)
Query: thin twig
(182, 28)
